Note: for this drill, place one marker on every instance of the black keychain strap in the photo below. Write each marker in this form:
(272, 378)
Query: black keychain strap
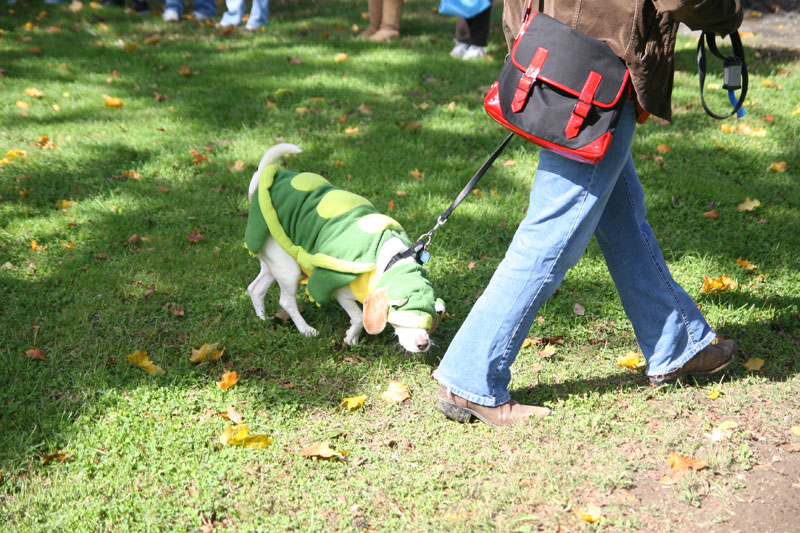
(735, 71)
(418, 249)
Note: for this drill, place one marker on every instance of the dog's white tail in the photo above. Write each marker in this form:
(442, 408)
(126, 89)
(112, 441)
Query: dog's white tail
(270, 156)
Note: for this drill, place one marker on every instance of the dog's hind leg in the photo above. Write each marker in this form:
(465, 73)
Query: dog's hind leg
(258, 289)
(287, 273)
(348, 302)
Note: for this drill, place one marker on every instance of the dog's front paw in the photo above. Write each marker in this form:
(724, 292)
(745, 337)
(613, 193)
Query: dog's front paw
(352, 336)
(309, 332)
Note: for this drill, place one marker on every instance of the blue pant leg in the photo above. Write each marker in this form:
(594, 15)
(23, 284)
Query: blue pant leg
(566, 203)
(206, 7)
(669, 327)
(234, 13)
(174, 5)
(258, 14)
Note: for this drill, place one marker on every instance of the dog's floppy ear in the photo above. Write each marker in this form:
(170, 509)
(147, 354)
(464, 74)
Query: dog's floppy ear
(376, 309)
(439, 307)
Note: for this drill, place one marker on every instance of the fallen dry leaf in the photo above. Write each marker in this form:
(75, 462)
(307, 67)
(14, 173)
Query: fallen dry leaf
(322, 450)
(722, 283)
(417, 175)
(34, 93)
(396, 392)
(714, 393)
(795, 430)
(663, 148)
(632, 360)
(680, 463)
(142, 360)
(239, 436)
(340, 57)
(195, 236)
(778, 166)
(229, 379)
(548, 351)
(112, 101)
(35, 354)
(591, 513)
(22, 104)
(749, 205)
(713, 214)
(233, 415)
(352, 403)
(754, 364)
(206, 351)
(578, 309)
(747, 265)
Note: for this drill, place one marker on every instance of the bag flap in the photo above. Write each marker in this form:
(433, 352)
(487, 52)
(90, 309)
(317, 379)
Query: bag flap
(571, 57)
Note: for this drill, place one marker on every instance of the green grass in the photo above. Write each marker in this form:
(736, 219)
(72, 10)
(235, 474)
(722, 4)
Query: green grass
(141, 451)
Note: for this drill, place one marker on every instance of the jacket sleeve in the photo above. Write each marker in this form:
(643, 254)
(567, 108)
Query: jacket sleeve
(718, 16)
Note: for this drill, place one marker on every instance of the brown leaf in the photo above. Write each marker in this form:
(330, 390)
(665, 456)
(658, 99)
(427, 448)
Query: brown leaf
(233, 415)
(35, 354)
(322, 450)
(713, 214)
(680, 463)
(195, 236)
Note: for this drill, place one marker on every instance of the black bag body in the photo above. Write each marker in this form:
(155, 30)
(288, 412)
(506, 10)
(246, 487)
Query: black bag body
(560, 89)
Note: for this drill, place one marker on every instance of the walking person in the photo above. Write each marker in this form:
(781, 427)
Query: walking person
(472, 35)
(570, 202)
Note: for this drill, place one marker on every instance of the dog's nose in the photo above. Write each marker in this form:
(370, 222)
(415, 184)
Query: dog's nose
(422, 344)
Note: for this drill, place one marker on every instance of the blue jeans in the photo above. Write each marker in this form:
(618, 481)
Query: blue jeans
(569, 202)
(235, 12)
(206, 7)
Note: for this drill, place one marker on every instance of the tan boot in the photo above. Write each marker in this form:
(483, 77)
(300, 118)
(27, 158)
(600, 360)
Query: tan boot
(390, 21)
(512, 412)
(375, 12)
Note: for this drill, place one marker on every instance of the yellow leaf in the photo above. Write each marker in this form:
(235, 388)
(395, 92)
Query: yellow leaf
(663, 148)
(747, 34)
(796, 111)
(238, 435)
(680, 463)
(526, 343)
(417, 175)
(22, 104)
(302, 110)
(322, 450)
(141, 359)
(632, 360)
(36, 247)
(795, 430)
(351, 131)
(229, 379)
(56, 107)
(185, 70)
(16, 153)
(397, 392)
(340, 57)
(723, 283)
(591, 513)
(113, 101)
(754, 364)
(155, 39)
(772, 84)
(353, 402)
(338, 163)
(68, 245)
(778, 166)
(34, 93)
(749, 205)
(714, 393)
(548, 351)
(209, 351)
(747, 265)
(728, 425)
(131, 47)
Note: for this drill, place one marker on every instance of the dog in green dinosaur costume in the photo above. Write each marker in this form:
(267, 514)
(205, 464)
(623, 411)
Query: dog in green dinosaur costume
(305, 230)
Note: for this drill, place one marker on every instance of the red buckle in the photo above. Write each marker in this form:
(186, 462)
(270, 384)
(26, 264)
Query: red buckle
(583, 105)
(527, 80)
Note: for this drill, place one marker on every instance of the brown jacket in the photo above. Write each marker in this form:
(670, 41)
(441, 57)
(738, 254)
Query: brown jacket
(641, 32)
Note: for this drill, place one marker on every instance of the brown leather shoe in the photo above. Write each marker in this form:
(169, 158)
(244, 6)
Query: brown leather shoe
(710, 359)
(461, 410)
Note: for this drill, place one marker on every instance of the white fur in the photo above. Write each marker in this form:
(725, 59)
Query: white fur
(278, 265)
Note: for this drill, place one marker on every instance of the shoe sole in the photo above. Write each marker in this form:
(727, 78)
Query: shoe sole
(697, 373)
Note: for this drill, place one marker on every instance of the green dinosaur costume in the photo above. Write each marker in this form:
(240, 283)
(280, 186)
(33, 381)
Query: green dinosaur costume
(335, 235)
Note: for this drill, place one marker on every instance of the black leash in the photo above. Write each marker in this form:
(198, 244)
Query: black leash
(419, 248)
(734, 72)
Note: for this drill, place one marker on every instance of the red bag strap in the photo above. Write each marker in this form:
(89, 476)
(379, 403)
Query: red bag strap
(583, 105)
(527, 79)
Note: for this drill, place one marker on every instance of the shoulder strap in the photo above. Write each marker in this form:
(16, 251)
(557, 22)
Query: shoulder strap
(735, 70)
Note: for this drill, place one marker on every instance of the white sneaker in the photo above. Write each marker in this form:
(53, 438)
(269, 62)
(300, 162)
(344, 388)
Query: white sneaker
(474, 52)
(459, 50)
(170, 15)
(201, 16)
